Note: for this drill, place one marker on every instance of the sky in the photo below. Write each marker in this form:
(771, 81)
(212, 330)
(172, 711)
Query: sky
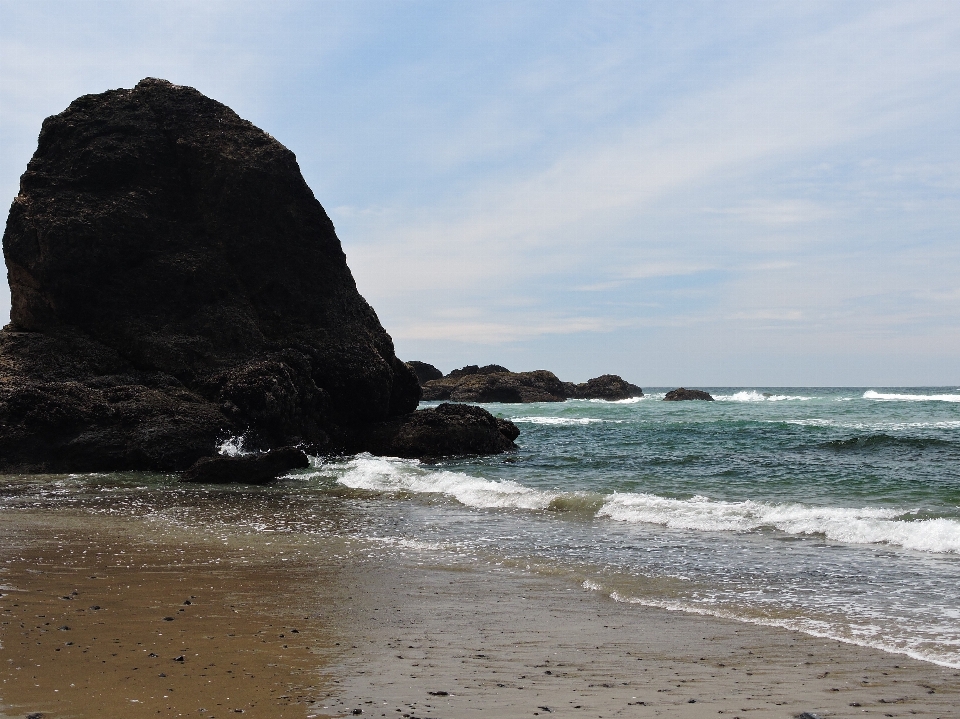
(695, 193)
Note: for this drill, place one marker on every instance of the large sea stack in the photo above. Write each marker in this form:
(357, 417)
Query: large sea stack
(174, 281)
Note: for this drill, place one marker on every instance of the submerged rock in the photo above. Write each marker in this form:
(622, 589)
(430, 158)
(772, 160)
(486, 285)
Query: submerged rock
(682, 394)
(246, 469)
(174, 280)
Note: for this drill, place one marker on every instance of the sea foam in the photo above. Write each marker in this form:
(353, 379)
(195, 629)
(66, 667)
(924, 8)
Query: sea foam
(889, 397)
(233, 447)
(565, 421)
(752, 395)
(867, 525)
(398, 475)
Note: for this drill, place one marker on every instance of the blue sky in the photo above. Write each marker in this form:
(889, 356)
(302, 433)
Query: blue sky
(699, 193)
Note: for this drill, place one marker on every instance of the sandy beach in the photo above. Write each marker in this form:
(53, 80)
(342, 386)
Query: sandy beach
(96, 622)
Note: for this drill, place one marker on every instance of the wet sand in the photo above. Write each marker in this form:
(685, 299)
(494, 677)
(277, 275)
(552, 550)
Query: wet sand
(338, 627)
(120, 623)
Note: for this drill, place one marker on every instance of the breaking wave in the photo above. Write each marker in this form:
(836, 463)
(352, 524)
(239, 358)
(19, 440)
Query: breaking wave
(868, 525)
(890, 397)
(399, 475)
(752, 395)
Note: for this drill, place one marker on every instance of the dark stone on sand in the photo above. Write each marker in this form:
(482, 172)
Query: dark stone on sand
(174, 281)
(682, 394)
(425, 372)
(448, 429)
(608, 386)
(246, 469)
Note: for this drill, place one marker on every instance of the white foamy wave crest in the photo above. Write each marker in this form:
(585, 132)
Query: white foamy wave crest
(869, 525)
(233, 447)
(399, 475)
(887, 397)
(878, 426)
(628, 400)
(752, 395)
(565, 421)
(820, 423)
(813, 627)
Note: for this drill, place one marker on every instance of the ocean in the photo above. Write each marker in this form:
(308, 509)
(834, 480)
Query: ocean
(829, 511)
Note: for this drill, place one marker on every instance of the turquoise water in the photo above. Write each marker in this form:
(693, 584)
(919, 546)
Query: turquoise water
(834, 512)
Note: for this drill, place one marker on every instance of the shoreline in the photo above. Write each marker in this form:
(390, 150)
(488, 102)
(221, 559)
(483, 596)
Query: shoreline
(416, 638)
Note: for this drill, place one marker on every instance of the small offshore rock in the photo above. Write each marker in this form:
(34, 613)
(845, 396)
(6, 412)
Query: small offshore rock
(246, 469)
(472, 369)
(476, 384)
(610, 387)
(425, 372)
(683, 394)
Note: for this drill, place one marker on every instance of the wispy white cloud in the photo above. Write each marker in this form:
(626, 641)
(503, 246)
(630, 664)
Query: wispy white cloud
(519, 328)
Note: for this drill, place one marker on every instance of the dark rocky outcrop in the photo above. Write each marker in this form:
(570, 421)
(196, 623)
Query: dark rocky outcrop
(506, 386)
(494, 383)
(610, 387)
(472, 369)
(682, 394)
(425, 372)
(447, 429)
(246, 469)
(174, 281)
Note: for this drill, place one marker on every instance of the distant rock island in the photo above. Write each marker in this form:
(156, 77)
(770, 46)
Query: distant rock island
(494, 383)
(682, 394)
(175, 281)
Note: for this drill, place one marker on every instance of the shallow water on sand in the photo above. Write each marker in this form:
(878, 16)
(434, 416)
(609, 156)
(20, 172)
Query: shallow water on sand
(831, 511)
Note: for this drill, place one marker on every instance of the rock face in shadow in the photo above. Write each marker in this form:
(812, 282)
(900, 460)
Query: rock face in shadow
(494, 383)
(448, 429)
(425, 372)
(610, 387)
(173, 281)
(682, 394)
(246, 469)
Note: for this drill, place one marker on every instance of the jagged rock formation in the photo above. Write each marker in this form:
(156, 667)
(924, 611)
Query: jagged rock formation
(174, 280)
(472, 369)
(425, 372)
(682, 394)
(610, 387)
(494, 383)
(538, 386)
(448, 429)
